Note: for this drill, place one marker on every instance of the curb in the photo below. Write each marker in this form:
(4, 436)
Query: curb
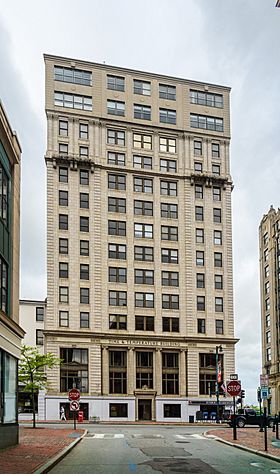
(244, 448)
(58, 457)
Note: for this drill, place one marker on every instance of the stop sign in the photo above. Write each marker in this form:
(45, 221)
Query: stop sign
(234, 388)
(74, 394)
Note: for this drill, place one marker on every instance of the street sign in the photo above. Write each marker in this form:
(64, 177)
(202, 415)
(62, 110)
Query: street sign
(74, 394)
(233, 376)
(264, 393)
(74, 405)
(234, 388)
(264, 380)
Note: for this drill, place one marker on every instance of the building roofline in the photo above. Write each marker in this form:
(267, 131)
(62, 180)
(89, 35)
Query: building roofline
(27, 301)
(132, 71)
(11, 134)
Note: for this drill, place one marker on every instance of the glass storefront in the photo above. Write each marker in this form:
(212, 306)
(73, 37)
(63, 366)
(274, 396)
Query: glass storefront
(8, 388)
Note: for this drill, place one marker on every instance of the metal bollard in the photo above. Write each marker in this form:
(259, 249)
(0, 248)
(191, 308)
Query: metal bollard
(277, 426)
(274, 424)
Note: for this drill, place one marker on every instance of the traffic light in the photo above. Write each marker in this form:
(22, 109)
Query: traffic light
(242, 393)
(238, 401)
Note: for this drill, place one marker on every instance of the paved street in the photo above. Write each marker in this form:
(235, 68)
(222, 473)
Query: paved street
(153, 449)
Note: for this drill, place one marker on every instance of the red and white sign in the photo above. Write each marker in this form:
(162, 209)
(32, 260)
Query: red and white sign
(74, 394)
(264, 380)
(234, 388)
(74, 405)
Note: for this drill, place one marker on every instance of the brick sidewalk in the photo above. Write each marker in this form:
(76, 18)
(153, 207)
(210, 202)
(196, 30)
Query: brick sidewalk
(36, 447)
(250, 438)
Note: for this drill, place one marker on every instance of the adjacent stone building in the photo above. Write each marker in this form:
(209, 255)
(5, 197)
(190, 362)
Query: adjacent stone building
(139, 241)
(10, 331)
(269, 240)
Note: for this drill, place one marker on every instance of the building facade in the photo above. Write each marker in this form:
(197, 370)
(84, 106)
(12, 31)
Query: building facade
(269, 241)
(139, 244)
(10, 331)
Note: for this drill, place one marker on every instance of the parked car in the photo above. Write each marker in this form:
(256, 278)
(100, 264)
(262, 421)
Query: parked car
(248, 416)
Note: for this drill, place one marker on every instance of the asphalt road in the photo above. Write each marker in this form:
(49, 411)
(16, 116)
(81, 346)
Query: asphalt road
(158, 449)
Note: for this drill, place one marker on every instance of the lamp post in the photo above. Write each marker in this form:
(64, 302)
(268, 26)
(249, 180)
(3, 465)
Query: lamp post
(219, 349)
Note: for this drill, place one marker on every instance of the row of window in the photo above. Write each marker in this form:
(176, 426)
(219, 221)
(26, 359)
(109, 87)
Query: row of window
(140, 87)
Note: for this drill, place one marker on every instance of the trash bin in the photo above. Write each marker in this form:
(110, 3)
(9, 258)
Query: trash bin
(80, 416)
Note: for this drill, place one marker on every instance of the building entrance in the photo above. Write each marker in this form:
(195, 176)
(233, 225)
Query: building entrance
(144, 409)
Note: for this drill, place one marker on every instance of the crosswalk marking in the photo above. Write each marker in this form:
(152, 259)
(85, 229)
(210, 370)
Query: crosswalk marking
(105, 436)
(140, 436)
(195, 436)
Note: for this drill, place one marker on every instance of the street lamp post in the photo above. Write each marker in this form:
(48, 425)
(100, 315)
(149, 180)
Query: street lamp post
(219, 349)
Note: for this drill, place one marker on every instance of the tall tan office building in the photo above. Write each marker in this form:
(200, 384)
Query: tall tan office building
(139, 241)
(269, 239)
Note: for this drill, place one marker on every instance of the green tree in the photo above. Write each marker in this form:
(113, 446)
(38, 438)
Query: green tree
(32, 374)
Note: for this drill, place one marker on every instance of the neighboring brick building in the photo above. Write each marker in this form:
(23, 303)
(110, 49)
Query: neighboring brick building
(10, 331)
(139, 241)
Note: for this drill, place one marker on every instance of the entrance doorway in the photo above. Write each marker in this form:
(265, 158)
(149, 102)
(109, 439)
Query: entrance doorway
(144, 409)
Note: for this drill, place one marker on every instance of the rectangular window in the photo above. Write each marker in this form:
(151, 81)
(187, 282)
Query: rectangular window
(199, 258)
(197, 147)
(117, 298)
(74, 76)
(84, 271)
(167, 92)
(63, 246)
(118, 410)
(143, 185)
(267, 320)
(170, 373)
(207, 373)
(168, 188)
(143, 231)
(84, 295)
(217, 215)
(265, 255)
(63, 319)
(63, 128)
(267, 304)
(144, 254)
(115, 107)
(218, 282)
(209, 99)
(142, 162)
(39, 337)
(172, 410)
(83, 131)
(115, 137)
(198, 191)
(201, 326)
(63, 198)
(142, 112)
(143, 277)
(206, 122)
(63, 221)
(117, 228)
(83, 151)
(117, 251)
(84, 319)
(84, 177)
(266, 271)
(117, 274)
(200, 280)
(265, 238)
(116, 158)
(141, 87)
(169, 256)
(168, 166)
(117, 205)
(219, 326)
(144, 300)
(84, 247)
(84, 224)
(117, 371)
(167, 145)
(144, 323)
(73, 101)
(268, 354)
(144, 370)
(169, 211)
(116, 181)
(216, 169)
(142, 141)
(40, 313)
(169, 278)
(200, 303)
(217, 236)
(169, 233)
(63, 294)
(268, 337)
(143, 208)
(215, 148)
(170, 324)
(118, 321)
(199, 236)
(216, 193)
(167, 116)
(199, 213)
(198, 167)
(63, 174)
(74, 369)
(63, 148)
(170, 301)
(63, 270)
(115, 83)
(219, 305)
(84, 200)
(218, 259)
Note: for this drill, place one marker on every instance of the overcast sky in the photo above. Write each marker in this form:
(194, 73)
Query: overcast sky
(233, 43)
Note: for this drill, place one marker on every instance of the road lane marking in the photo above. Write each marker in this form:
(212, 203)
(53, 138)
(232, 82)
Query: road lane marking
(105, 436)
(195, 436)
